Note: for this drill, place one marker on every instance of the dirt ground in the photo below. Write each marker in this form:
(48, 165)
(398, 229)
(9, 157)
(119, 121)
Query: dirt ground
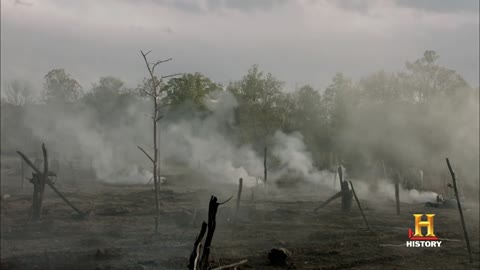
(120, 233)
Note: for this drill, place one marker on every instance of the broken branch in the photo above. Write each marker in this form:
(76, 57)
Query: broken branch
(171, 75)
(149, 157)
(29, 162)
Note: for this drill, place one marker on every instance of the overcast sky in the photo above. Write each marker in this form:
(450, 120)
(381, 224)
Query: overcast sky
(302, 41)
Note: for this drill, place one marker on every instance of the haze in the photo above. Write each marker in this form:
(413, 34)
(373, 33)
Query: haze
(302, 42)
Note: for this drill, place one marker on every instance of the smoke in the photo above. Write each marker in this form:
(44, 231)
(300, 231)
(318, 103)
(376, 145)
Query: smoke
(74, 136)
(384, 190)
(295, 160)
(204, 144)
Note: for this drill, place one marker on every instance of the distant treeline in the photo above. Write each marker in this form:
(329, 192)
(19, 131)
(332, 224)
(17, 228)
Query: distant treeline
(408, 119)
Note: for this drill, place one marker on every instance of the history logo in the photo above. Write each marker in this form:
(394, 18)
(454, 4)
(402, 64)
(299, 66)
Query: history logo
(417, 239)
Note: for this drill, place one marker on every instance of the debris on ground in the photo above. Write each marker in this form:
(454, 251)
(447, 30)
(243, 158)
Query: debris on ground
(278, 256)
(442, 203)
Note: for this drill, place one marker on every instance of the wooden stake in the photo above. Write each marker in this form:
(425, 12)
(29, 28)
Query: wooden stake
(35, 181)
(346, 193)
(359, 206)
(334, 180)
(397, 197)
(340, 174)
(239, 195)
(465, 234)
(265, 173)
(43, 179)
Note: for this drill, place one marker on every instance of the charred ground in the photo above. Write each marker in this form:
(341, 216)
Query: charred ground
(119, 235)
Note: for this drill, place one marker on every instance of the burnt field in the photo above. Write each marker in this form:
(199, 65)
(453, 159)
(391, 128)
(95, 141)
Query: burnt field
(119, 233)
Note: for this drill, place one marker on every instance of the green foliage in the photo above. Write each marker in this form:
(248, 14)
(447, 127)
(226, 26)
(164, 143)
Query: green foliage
(109, 100)
(426, 80)
(60, 87)
(190, 87)
(401, 118)
(262, 105)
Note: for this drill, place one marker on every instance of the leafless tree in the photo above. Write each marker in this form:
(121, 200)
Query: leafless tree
(153, 90)
(18, 93)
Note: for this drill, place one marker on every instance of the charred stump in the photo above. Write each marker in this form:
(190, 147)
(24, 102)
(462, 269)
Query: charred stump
(345, 193)
(201, 251)
(39, 180)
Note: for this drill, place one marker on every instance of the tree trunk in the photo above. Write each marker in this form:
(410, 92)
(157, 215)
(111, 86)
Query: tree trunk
(155, 160)
(265, 173)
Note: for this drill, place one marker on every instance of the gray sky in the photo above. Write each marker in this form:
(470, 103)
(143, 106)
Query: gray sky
(302, 41)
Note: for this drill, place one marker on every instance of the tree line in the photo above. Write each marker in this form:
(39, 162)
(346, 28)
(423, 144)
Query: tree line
(402, 119)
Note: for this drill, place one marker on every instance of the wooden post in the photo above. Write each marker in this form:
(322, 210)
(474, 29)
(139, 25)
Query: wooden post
(340, 174)
(397, 197)
(359, 206)
(465, 234)
(397, 193)
(43, 178)
(345, 190)
(334, 180)
(265, 173)
(239, 195)
(36, 179)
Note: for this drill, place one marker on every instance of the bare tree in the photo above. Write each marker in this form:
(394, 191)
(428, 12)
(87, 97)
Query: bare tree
(18, 93)
(153, 90)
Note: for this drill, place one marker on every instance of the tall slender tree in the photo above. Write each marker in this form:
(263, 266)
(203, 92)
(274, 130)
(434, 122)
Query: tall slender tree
(153, 89)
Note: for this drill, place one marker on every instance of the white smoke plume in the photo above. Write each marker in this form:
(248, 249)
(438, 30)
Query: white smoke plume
(199, 144)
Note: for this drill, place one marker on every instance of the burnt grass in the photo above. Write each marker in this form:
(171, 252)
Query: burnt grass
(119, 233)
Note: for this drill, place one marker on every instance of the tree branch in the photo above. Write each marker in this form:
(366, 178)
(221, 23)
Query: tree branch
(171, 75)
(159, 62)
(226, 201)
(29, 163)
(158, 118)
(149, 157)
